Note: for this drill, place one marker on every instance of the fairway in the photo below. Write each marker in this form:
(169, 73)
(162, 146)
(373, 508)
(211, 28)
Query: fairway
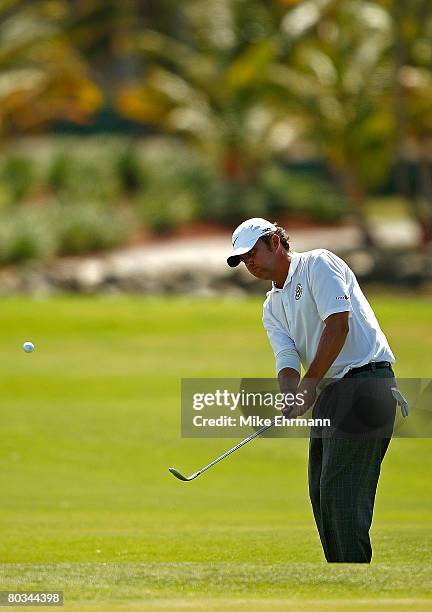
(91, 423)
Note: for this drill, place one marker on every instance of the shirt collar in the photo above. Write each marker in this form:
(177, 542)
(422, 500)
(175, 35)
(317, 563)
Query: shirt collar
(295, 258)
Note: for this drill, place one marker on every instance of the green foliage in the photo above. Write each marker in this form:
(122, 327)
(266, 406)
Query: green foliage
(89, 227)
(6, 195)
(81, 175)
(297, 192)
(171, 190)
(162, 184)
(230, 202)
(164, 210)
(56, 229)
(44, 74)
(351, 78)
(129, 169)
(178, 186)
(17, 175)
(25, 235)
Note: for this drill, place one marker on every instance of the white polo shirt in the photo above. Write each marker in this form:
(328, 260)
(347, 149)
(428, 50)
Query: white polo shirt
(319, 284)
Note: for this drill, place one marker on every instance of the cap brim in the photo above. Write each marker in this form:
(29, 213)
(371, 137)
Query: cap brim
(234, 259)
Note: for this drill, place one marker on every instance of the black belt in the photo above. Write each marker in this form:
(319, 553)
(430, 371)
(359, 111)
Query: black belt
(373, 365)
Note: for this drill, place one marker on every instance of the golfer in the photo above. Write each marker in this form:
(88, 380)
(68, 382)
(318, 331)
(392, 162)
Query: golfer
(316, 315)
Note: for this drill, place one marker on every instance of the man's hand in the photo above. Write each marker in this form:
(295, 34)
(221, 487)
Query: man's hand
(306, 392)
(330, 345)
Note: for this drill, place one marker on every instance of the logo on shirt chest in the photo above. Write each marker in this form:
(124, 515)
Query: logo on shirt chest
(298, 291)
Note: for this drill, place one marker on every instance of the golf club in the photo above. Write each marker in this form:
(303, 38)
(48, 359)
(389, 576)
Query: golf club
(180, 476)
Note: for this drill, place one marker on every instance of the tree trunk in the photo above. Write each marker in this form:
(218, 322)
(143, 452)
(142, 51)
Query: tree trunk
(356, 198)
(425, 219)
(409, 192)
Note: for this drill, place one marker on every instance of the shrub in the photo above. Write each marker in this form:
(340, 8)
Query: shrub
(57, 229)
(170, 187)
(6, 195)
(129, 169)
(231, 202)
(162, 210)
(25, 235)
(83, 228)
(84, 176)
(178, 186)
(291, 191)
(18, 175)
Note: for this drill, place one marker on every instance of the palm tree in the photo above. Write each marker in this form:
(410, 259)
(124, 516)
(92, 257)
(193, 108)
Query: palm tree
(208, 85)
(412, 26)
(41, 76)
(248, 79)
(336, 72)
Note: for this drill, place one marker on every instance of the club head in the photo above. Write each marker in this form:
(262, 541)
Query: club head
(177, 474)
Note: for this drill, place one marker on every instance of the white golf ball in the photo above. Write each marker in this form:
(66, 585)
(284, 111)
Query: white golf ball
(28, 347)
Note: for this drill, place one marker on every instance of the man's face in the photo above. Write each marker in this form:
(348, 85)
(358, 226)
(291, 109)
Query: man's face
(261, 260)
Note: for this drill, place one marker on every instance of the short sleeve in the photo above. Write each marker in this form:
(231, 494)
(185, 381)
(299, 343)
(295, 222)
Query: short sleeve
(329, 283)
(279, 338)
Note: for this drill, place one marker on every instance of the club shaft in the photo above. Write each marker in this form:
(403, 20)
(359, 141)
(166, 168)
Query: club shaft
(232, 450)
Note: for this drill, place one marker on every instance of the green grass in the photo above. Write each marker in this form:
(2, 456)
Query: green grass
(91, 422)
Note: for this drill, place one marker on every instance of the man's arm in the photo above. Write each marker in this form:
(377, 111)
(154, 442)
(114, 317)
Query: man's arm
(288, 380)
(287, 357)
(332, 339)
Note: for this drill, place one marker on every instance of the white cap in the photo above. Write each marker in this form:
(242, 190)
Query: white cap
(245, 237)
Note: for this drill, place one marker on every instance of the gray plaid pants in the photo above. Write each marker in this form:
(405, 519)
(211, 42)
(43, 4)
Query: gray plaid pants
(345, 461)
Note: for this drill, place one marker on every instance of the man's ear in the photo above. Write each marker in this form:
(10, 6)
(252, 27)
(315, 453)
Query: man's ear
(275, 242)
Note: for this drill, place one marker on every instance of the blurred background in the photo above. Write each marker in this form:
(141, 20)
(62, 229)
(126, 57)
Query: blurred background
(135, 135)
(132, 123)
